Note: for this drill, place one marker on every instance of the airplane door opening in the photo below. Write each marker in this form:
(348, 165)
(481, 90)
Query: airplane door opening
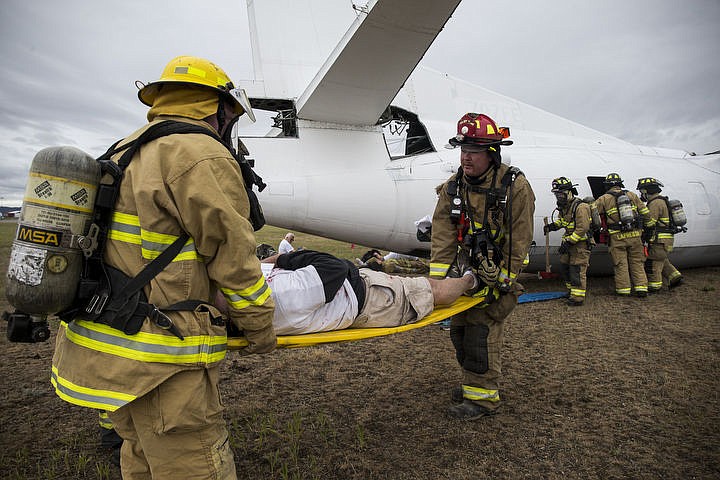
(597, 185)
(404, 133)
(276, 118)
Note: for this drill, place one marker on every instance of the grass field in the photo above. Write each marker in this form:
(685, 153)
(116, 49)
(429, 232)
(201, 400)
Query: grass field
(620, 388)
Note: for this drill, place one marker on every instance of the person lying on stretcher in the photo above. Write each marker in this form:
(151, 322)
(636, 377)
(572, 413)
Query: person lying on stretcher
(318, 292)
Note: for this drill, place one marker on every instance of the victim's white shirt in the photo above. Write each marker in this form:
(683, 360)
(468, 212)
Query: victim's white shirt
(300, 303)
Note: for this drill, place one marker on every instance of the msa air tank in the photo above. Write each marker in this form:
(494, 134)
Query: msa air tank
(46, 258)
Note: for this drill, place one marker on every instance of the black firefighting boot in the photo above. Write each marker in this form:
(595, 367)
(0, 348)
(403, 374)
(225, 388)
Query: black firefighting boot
(456, 394)
(675, 282)
(467, 410)
(574, 302)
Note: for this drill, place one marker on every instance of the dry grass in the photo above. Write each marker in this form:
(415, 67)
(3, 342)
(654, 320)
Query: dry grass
(620, 388)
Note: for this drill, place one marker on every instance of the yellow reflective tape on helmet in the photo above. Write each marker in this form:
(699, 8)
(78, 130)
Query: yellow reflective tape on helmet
(188, 70)
(88, 397)
(479, 393)
(439, 269)
(147, 347)
(254, 295)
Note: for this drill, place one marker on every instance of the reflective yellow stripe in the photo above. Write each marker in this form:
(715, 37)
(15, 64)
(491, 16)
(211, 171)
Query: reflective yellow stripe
(478, 393)
(88, 397)
(126, 228)
(104, 420)
(255, 295)
(665, 236)
(640, 288)
(147, 347)
(577, 292)
(439, 269)
(526, 260)
(623, 291)
(643, 210)
(655, 285)
(506, 276)
(574, 238)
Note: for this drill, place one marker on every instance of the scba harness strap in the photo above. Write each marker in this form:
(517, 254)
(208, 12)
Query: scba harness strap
(498, 200)
(105, 294)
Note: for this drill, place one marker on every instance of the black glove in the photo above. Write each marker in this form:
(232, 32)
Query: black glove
(550, 227)
(564, 248)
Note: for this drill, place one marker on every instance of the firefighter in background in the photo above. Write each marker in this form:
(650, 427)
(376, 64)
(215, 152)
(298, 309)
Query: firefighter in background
(160, 386)
(659, 235)
(577, 242)
(484, 214)
(625, 215)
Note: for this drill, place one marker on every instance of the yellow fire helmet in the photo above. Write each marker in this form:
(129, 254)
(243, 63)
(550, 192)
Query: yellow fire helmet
(196, 71)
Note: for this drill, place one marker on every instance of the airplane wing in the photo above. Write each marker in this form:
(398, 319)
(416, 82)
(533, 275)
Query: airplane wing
(363, 75)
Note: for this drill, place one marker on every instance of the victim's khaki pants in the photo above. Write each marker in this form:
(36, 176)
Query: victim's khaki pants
(176, 431)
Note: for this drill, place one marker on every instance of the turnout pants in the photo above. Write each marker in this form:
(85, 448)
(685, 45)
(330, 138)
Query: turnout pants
(176, 431)
(628, 254)
(658, 266)
(573, 268)
(477, 335)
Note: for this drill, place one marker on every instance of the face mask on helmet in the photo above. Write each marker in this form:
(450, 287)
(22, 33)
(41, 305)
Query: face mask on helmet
(562, 197)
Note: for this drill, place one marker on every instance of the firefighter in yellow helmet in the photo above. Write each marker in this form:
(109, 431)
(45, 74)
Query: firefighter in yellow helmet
(577, 242)
(483, 221)
(160, 384)
(659, 235)
(625, 215)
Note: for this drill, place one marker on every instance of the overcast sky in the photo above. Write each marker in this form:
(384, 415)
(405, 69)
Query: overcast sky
(646, 71)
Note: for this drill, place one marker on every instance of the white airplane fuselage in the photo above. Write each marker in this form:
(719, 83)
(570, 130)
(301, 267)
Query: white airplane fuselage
(340, 173)
(342, 184)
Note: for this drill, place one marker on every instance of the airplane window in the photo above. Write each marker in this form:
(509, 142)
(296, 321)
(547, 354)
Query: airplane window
(404, 133)
(700, 198)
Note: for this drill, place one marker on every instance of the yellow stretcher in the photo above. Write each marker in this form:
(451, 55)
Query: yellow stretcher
(351, 334)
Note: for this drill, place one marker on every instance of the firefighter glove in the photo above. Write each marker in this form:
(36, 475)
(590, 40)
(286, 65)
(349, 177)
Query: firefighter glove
(259, 341)
(550, 227)
(487, 271)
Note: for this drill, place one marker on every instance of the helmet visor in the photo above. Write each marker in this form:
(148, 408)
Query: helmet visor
(240, 96)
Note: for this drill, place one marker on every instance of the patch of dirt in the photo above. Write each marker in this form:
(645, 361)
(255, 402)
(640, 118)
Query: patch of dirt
(619, 388)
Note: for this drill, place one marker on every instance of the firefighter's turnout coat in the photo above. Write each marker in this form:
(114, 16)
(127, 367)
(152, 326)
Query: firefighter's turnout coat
(177, 183)
(445, 241)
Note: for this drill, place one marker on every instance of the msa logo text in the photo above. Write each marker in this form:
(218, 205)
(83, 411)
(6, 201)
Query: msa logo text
(40, 236)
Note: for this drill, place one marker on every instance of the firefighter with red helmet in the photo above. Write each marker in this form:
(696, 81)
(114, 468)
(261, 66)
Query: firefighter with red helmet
(483, 221)
(577, 242)
(625, 214)
(659, 234)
